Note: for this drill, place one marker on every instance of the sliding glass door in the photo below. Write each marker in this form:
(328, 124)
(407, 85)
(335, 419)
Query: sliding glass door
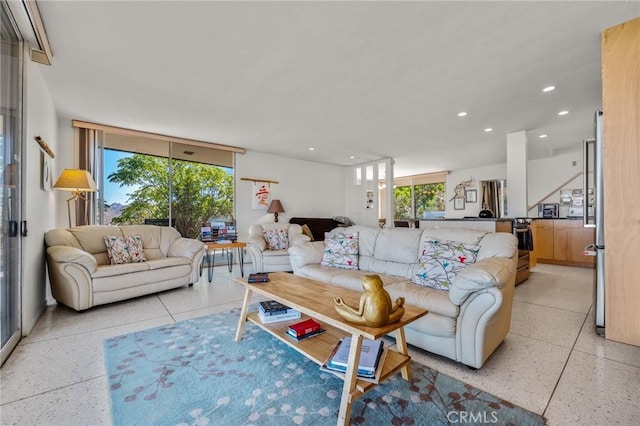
(10, 202)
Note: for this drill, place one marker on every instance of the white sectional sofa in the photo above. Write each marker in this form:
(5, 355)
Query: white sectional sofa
(82, 276)
(465, 323)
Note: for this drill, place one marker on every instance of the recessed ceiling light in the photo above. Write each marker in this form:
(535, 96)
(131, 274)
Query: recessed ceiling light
(462, 114)
(542, 136)
(488, 129)
(564, 112)
(312, 149)
(352, 156)
(549, 89)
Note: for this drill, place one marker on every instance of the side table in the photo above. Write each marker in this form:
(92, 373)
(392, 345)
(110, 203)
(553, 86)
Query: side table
(227, 249)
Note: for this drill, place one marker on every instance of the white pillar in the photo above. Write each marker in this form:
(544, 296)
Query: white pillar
(517, 174)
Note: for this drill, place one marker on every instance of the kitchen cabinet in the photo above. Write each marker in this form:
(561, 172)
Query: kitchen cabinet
(562, 241)
(543, 243)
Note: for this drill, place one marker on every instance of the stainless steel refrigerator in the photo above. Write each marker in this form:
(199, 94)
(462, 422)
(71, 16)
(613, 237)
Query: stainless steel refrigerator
(594, 213)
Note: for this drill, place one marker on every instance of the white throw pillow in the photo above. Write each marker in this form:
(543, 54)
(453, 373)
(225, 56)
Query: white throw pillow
(341, 251)
(277, 239)
(440, 262)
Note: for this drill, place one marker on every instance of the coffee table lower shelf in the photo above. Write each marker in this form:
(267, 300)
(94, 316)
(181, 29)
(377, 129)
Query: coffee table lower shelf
(318, 348)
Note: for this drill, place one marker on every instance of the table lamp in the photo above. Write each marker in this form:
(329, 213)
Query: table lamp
(275, 207)
(76, 181)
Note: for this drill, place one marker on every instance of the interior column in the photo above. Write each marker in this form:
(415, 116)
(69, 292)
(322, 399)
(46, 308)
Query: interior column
(517, 174)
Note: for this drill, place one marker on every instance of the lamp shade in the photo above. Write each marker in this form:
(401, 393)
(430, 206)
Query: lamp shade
(76, 180)
(275, 207)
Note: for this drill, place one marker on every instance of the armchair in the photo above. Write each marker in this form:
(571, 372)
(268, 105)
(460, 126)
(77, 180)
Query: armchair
(274, 257)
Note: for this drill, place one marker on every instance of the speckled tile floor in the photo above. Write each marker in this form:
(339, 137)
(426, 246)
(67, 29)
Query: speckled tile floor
(551, 362)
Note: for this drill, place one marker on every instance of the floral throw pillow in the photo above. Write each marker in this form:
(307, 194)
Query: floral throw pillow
(340, 251)
(440, 262)
(127, 249)
(277, 239)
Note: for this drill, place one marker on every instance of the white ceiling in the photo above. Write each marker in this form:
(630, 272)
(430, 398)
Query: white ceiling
(363, 79)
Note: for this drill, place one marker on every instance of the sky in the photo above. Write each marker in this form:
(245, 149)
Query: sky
(113, 192)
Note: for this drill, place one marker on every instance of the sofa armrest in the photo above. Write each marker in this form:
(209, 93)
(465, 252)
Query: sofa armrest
(490, 272)
(305, 254)
(297, 239)
(65, 254)
(70, 271)
(191, 249)
(258, 242)
(185, 247)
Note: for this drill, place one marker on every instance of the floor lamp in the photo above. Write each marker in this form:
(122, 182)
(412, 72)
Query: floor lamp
(78, 182)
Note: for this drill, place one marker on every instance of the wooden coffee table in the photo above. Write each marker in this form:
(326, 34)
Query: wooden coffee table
(315, 299)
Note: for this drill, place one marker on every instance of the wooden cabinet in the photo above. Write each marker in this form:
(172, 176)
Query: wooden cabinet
(562, 241)
(543, 243)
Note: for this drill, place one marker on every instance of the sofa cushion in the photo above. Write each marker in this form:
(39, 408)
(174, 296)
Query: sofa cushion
(400, 245)
(499, 244)
(345, 278)
(155, 239)
(119, 270)
(440, 262)
(341, 251)
(168, 262)
(277, 239)
(131, 279)
(91, 240)
(367, 236)
(127, 249)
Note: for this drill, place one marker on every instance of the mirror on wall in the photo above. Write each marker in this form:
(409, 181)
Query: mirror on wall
(493, 195)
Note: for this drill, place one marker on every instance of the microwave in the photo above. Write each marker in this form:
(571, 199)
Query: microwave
(549, 210)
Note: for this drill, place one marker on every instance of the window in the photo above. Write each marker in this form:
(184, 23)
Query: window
(152, 181)
(419, 197)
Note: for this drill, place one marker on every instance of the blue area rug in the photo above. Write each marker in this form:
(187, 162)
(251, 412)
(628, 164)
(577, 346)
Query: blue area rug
(194, 373)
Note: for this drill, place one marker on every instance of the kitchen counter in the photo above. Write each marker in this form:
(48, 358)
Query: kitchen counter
(487, 219)
(487, 224)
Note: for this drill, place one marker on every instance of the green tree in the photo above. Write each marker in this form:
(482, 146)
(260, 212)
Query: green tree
(402, 203)
(200, 192)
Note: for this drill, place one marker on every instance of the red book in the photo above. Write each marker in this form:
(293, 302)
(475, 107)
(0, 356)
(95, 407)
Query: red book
(304, 327)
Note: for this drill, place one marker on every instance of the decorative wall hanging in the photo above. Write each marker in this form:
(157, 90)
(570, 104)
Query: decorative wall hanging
(46, 172)
(45, 147)
(261, 195)
(471, 195)
(458, 203)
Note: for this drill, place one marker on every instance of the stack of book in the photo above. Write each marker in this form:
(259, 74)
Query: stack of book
(261, 277)
(370, 358)
(304, 329)
(272, 311)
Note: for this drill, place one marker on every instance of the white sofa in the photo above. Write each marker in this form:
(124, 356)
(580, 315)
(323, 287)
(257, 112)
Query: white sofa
(265, 260)
(81, 275)
(466, 323)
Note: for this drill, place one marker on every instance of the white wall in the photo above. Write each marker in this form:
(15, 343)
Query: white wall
(39, 205)
(496, 171)
(545, 175)
(66, 158)
(306, 189)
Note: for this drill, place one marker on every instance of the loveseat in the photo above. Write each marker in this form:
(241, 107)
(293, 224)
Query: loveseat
(468, 320)
(272, 256)
(82, 276)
